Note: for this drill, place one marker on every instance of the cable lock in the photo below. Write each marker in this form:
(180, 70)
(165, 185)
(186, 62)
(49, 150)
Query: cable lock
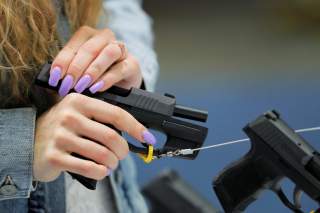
(147, 158)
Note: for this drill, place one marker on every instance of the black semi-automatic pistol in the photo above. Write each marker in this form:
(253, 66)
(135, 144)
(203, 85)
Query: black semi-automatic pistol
(159, 112)
(276, 152)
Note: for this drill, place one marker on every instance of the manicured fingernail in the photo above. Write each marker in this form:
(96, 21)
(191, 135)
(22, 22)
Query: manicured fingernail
(66, 85)
(149, 138)
(83, 83)
(96, 87)
(55, 76)
(109, 172)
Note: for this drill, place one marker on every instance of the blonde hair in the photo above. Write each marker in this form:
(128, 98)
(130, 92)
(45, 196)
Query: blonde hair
(28, 37)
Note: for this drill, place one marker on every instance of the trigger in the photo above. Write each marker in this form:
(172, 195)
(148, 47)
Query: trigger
(297, 193)
(286, 201)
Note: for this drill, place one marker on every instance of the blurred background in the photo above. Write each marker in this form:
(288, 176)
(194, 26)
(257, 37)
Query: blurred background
(237, 59)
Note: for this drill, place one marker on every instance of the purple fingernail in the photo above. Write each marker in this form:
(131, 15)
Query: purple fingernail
(66, 85)
(109, 172)
(83, 83)
(96, 87)
(149, 138)
(55, 76)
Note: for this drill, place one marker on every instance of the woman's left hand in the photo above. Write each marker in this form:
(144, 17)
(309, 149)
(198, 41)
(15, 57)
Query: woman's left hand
(94, 59)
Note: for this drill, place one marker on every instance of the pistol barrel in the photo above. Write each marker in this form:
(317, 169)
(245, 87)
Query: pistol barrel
(190, 113)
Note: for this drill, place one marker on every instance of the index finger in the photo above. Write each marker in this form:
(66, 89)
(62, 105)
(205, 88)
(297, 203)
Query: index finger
(103, 112)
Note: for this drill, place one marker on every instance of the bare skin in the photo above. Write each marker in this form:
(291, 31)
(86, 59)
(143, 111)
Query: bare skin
(94, 52)
(76, 123)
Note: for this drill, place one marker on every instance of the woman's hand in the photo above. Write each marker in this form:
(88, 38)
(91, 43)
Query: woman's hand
(75, 125)
(93, 58)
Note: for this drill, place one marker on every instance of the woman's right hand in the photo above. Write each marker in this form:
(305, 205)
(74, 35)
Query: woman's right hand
(76, 125)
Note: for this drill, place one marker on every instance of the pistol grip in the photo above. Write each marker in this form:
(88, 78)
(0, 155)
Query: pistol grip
(241, 183)
(87, 182)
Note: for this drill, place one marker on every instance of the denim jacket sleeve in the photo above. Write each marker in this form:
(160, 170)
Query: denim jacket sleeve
(16, 148)
(134, 27)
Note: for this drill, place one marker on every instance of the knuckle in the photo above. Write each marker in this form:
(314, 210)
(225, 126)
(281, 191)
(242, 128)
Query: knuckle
(95, 68)
(127, 64)
(75, 69)
(61, 60)
(89, 50)
(119, 114)
(66, 52)
(59, 137)
(74, 99)
(68, 118)
(86, 168)
(60, 142)
(109, 33)
(103, 155)
(52, 158)
(85, 28)
(124, 152)
(116, 120)
(113, 52)
(111, 136)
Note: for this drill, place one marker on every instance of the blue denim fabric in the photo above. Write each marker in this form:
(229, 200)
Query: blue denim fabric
(48, 198)
(128, 196)
(14, 206)
(16, 147)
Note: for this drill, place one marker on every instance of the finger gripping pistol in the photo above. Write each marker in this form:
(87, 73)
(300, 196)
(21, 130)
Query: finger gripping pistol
(155, 111)
(276, 152)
